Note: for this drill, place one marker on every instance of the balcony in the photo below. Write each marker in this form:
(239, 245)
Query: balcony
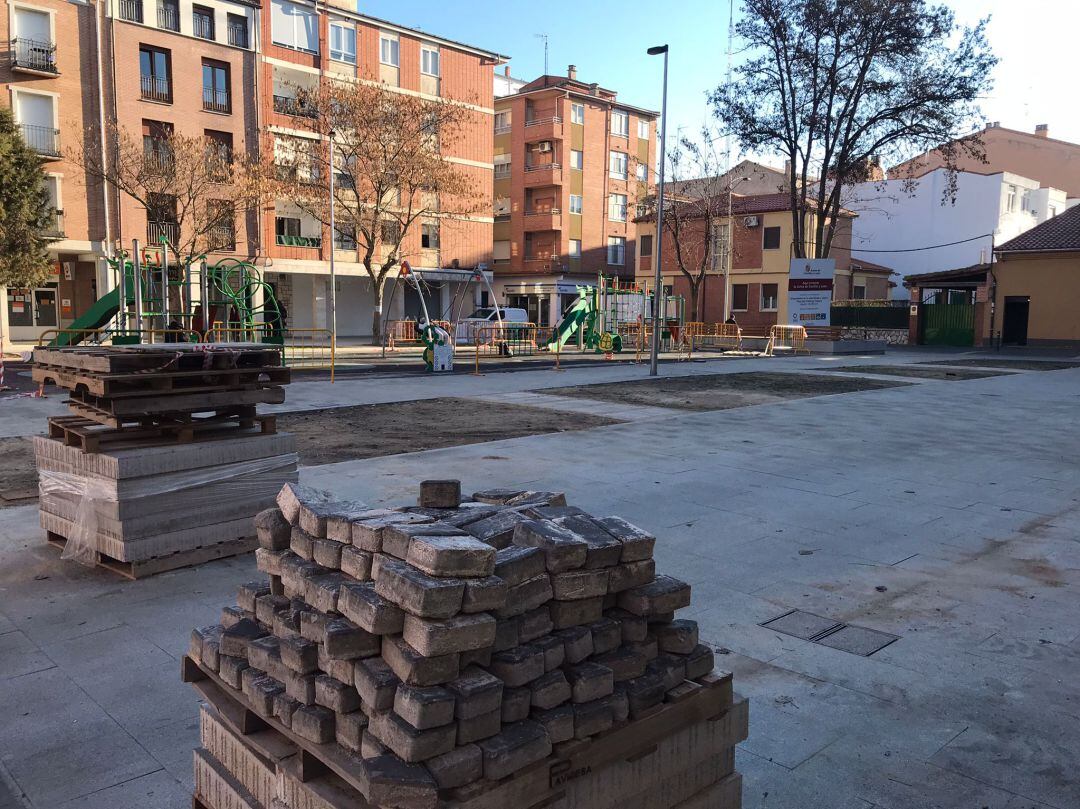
(55, 228)
(202, 26)
(293, 106)
(542, 263)
(298, 241)
(156, 88)
(543, 174)
(215, 100)
(42, 139)
(158, 231)
(238, 34)
(543, 129)
(543, 220)
(222, 238)
(168, 17)
(33, 56)
(131, 10)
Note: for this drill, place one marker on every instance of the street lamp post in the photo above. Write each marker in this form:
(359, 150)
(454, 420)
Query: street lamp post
(728, 249)
(333, 233)
(658, 288)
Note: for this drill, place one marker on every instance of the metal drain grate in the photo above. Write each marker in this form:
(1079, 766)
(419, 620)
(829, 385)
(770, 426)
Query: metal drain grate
(855, 640)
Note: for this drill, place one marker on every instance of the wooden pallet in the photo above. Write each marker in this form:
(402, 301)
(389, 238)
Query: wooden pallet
(160, 564)
(542, 784)
(138, 383)
(161, 357)
(90, 435)
(156, 405)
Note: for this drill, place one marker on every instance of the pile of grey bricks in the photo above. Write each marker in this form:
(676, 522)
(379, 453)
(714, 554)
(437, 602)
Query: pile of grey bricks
(443, 647)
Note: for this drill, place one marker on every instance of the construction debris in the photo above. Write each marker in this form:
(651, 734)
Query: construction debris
(165, 461)
(438, 669)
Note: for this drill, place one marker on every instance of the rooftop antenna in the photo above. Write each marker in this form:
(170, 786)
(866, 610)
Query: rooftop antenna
(727, 78)
(545, 38)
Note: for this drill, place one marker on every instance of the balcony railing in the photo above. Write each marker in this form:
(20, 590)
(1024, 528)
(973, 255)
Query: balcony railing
(156, 230)
(502, 130)
(42, 139)
(238, 35)
(131, 10)
(202, 26)
(215, 100)
(502, 169)
(33, 54)
(555, 119)
(222, 237)
(168, 17)
(293, 106)
(55, 228)
(156, 88)
(298, 241)
(554, 258)
(549, 212)
(543, 166)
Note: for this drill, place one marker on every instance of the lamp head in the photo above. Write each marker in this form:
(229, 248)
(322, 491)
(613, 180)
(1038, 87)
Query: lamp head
(657, 50)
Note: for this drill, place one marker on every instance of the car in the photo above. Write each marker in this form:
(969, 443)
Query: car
(487, 317)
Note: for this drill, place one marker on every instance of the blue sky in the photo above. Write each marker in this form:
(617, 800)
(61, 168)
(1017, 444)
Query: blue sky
(1035, 40)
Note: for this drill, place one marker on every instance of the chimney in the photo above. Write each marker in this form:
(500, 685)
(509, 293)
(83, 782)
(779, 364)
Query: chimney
(594, 89)
(1042, 130)
(571, 72)
(506, 71)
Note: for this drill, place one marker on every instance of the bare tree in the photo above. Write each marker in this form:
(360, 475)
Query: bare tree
(389, 170)
(192, 187)
(834, 85)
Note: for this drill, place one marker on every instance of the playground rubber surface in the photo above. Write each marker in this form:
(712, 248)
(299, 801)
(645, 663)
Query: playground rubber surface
(370, 431)
(920, 372)
(721, 391)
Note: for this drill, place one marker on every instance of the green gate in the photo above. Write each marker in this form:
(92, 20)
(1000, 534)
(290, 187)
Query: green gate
(947, 324)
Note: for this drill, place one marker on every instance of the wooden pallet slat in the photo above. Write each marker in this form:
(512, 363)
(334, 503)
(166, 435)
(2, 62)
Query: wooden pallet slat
(160, 564)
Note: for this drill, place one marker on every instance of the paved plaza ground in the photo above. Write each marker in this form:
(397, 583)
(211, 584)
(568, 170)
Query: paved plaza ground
(944, 511)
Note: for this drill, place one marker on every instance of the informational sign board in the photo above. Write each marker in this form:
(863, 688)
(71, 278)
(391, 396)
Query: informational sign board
(810, 287)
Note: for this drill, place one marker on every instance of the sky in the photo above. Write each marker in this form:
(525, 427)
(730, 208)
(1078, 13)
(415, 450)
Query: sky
(1034, 39)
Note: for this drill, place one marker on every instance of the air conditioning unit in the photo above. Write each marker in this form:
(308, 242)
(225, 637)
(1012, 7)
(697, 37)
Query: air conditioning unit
(544, 146)
(751, 221)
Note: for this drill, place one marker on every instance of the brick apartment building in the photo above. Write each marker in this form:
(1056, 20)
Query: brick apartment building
(228, 70)
(762, 239)
(571, 164)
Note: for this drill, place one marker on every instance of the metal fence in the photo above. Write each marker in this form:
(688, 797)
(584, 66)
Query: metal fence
(509, 340)
(870, 316)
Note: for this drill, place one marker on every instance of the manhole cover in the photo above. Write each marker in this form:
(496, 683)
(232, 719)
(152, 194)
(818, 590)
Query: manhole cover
(801, 624)
(857, 640)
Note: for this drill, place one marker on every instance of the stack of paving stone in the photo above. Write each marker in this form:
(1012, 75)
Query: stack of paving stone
(440, 651)
(174, 488)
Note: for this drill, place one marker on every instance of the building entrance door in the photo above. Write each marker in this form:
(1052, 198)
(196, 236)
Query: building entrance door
(1014, 326)
(948, 324)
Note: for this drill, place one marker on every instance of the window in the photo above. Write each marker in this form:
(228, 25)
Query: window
(154, 74)
(222, 218)
(215, 82)
(390, 232)
(500, 251)
(1010, 199)
(770, 239)
(429, 235)
(719, 245)
(768, 297)
(739, 297)
(646, 244)
(238, 30)
(643, 129)
(219, 154)
(502, 165)
(502, 122)
(131, 10)
(502, 207)
(202, 22)
(577, 158)
(286, 226)
(575, 248)
(616, 250)
(429, 61)
(617, 207)
(294, 26)
(168, 15)
(617, 163)
(157, 146)
(641, 171)
(620, 124)
(575, 203)
(343, 42)
(577, 113)
(161, 219)
(388, 50)
(1025, 200)
(858, 292)
(345, 237)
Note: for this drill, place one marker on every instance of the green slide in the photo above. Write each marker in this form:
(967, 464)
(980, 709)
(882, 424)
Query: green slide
(98, 315)
(574, 318)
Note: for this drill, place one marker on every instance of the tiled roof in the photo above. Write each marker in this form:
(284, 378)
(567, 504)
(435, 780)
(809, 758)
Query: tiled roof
(1060, 233)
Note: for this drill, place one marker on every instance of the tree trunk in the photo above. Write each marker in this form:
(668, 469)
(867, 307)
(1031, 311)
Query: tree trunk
(695, 284)
(376, 312)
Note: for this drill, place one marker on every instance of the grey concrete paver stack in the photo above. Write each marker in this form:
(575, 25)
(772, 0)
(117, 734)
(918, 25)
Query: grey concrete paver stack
(494, 651)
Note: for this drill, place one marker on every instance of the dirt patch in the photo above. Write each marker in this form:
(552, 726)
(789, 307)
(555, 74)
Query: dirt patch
(369, 431)
(920, 372)
(18, 472)
(1018, 365)
(721, 391)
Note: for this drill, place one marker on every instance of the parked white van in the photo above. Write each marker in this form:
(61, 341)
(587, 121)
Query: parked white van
(487, 316)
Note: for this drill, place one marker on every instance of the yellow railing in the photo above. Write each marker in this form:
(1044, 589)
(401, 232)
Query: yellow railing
(712, 335)
(405, 331)
(786, 338)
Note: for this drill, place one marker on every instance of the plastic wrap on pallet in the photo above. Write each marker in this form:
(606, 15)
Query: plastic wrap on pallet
(233, 482)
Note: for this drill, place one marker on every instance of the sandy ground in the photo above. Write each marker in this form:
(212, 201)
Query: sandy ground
(721, 391)
(18, 472)
(1019, 365)
(923, 372)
